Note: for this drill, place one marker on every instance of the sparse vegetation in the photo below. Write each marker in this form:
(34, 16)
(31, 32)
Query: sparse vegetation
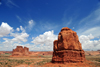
(94, 59)
(42, 56)
(5, 55)
(43, 61)
(13, 62)
(6, 61)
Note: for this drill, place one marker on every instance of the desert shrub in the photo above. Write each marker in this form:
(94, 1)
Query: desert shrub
(1, 63)
(97, 64)
(9, 66)
(28, 63)
(6, 53)
(43, 62)
(6, 63)
(20, 61)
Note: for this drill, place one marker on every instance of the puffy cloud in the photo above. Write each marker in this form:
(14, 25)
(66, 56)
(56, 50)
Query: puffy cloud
(15, 39)
(20, 37)
(22, 29)
(5, 29)
(39, 47)
(8, 44)
(30, 25)
(84, 37)
(17, 29)
(46, 38)
(88, 42)
(31, 22)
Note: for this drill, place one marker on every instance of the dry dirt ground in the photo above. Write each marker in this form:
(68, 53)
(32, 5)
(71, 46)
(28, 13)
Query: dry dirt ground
(50, 52)
(85, 64)
(43, 59)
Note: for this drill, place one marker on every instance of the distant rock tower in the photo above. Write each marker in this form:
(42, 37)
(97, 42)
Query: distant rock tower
(20, 51)
(67, 48)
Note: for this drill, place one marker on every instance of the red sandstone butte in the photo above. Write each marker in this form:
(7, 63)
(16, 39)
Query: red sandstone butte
(20, 51)
(67, 48)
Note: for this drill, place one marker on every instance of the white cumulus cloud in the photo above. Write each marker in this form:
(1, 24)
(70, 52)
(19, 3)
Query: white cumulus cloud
(39, 47)
(17, 29)
(30, 25)
(15, 38)
(5, 29)
(88, 42)
(46, 38)
(20, 37)
(22, 29)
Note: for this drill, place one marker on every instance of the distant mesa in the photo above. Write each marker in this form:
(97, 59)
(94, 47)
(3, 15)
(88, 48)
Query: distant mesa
(98, 50)
(20, 51)
(67, 48)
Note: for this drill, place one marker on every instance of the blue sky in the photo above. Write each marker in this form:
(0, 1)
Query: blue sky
(36, 23)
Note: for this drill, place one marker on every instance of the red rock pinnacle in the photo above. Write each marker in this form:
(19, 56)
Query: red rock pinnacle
(67, 48)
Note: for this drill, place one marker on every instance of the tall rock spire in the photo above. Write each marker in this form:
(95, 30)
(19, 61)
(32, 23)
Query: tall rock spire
(67, 48)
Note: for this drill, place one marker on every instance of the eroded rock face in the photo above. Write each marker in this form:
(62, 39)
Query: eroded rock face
(67, 48)
(20, 51)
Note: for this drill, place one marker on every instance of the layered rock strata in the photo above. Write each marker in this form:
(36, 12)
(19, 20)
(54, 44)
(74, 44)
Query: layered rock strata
(20, 51)
(67, 48)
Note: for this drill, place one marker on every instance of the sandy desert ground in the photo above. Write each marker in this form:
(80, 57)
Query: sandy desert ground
(43, 59)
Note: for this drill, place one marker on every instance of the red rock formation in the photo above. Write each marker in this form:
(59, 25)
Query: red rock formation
(67, 48)
(20, 51)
